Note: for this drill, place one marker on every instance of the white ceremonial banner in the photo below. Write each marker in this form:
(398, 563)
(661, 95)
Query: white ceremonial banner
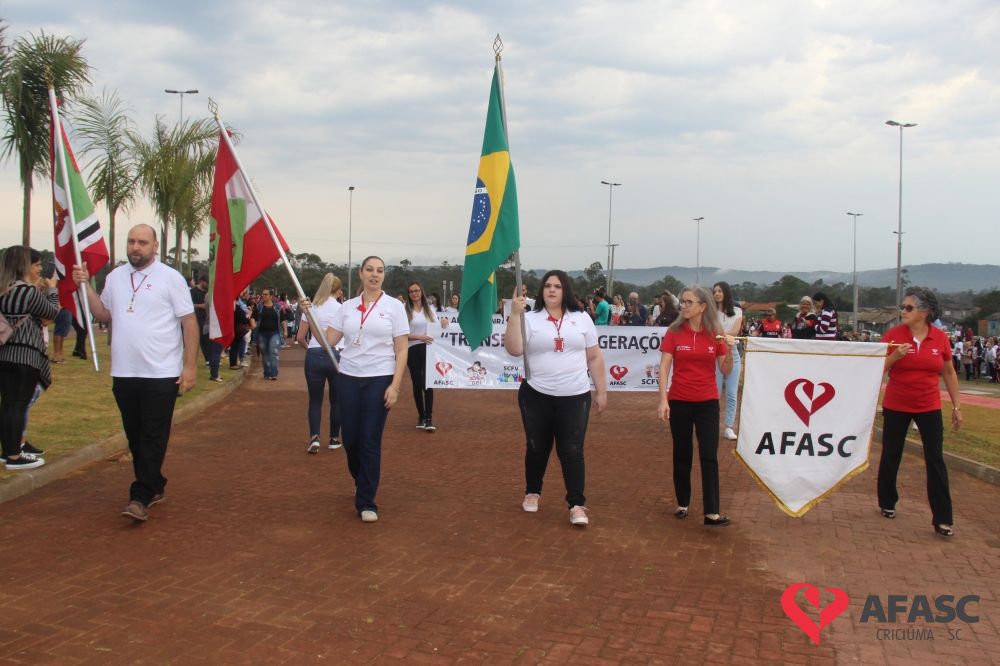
(631, 359)
(807, 415)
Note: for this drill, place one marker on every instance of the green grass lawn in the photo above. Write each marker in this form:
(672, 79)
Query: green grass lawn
(79, 408)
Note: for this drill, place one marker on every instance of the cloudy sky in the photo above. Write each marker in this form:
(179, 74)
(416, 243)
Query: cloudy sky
(767, 118)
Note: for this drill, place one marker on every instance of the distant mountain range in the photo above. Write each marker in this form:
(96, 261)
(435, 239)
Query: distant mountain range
(945, 278)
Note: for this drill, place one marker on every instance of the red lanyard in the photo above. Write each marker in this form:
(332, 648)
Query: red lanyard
(558, 340)
(366, 312)
(135, 289)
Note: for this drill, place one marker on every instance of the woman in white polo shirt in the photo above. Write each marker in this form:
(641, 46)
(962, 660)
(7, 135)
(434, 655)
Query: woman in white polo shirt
(559, 345)
(375, 331)
(418, 313)
(319, 369)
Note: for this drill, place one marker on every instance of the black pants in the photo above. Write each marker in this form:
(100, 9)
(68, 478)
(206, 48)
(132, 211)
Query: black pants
(237, 350)
(686, 419)
(147, 409)
(17, 386)
(416, 361)
(562, 419)
(204, 342)
(895, 425)
(362, 420)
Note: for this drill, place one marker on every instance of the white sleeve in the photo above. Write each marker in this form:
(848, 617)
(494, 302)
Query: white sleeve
(337, 320)
(589, 332)
(400, 326)
(180, 296)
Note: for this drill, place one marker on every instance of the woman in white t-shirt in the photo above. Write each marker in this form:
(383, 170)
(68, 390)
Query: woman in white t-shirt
(732, 320)
(449, 313)
(418, 313)
(375, 333)
(319, 369)
(559, 345)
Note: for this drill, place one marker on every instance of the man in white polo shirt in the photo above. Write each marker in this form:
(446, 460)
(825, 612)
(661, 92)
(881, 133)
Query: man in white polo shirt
(153, 355)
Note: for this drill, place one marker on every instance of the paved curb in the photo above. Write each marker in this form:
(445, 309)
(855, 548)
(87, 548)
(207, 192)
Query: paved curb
(27, 481)
(955, 461)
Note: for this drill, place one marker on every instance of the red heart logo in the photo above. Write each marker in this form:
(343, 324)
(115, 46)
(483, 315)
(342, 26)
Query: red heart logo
(443, 368)
(618, 371)
(798, 389)
(826, 615)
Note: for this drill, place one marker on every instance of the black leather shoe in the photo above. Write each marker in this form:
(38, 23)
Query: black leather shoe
(944, 531)
(717, 522)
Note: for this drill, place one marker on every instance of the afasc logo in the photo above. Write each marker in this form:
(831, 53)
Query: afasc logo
(618, 373)
(443, 368)
(805, 398)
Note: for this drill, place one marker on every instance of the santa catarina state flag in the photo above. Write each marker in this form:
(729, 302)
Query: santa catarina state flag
(93, 250)
(493, 229)
(240, 247)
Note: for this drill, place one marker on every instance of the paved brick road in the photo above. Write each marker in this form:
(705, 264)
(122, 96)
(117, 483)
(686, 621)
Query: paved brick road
(258, 557)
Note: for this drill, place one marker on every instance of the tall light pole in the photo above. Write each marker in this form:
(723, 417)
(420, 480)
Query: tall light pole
(855, 216)
(611, 188)
(350, 225)
(899, 231)
(697, 251)
(182, 93)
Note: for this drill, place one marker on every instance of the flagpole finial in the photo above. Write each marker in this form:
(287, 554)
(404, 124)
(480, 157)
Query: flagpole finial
(213, 107)
(498, 46)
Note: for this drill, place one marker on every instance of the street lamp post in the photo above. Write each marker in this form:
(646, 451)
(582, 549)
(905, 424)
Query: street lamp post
(697, 251)
(350, 225)
(855, 216)
(611, 188)
(182, 93)
(899, 230)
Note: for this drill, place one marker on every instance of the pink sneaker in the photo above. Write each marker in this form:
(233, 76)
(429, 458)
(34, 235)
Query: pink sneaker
(530, 503)
(578, 515)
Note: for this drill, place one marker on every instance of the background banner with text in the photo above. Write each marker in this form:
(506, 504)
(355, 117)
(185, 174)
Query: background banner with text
(631, 356)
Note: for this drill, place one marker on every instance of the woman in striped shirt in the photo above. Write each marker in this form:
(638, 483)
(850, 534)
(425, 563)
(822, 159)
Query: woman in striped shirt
(826, 327)
(24, 359)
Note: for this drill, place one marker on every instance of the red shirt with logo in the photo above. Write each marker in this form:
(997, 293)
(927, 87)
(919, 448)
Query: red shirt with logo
(770, 329)
(914, 379)
(695, 359)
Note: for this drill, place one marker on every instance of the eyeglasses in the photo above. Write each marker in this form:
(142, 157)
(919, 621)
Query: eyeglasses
(687, 303)
(907, 308)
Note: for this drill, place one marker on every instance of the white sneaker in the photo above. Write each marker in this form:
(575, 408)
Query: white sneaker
(530, 503)
(313, 445)
(578, 515)
(369, 516)
(334, 444)
(729, 434)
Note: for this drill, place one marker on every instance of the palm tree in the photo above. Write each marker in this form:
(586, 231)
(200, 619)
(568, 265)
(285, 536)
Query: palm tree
(192, 217)
(33, 63)
(106, 130)
(171, 167)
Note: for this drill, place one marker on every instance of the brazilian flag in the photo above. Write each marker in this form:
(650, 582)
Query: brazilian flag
(493, 229)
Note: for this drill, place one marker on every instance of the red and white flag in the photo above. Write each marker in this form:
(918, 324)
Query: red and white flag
(240, 247)
(93, 250)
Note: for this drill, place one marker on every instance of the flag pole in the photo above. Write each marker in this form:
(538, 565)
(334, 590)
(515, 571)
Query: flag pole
(497, 50)
(265, 218)
(57, 139)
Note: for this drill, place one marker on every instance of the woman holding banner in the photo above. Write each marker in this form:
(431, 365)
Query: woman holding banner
(559, 345)
(371, 369)
(419, 313)
(922, 357)
(695, 346)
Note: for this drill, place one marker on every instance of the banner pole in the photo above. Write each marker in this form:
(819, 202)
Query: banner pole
(498, 49)
(60, 154)
(266, 219)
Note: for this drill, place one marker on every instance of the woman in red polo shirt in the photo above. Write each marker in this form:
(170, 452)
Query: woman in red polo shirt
(913, 394)
(695, 345)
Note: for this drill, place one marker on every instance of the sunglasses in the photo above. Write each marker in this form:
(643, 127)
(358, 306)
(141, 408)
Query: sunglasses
(907, 308)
